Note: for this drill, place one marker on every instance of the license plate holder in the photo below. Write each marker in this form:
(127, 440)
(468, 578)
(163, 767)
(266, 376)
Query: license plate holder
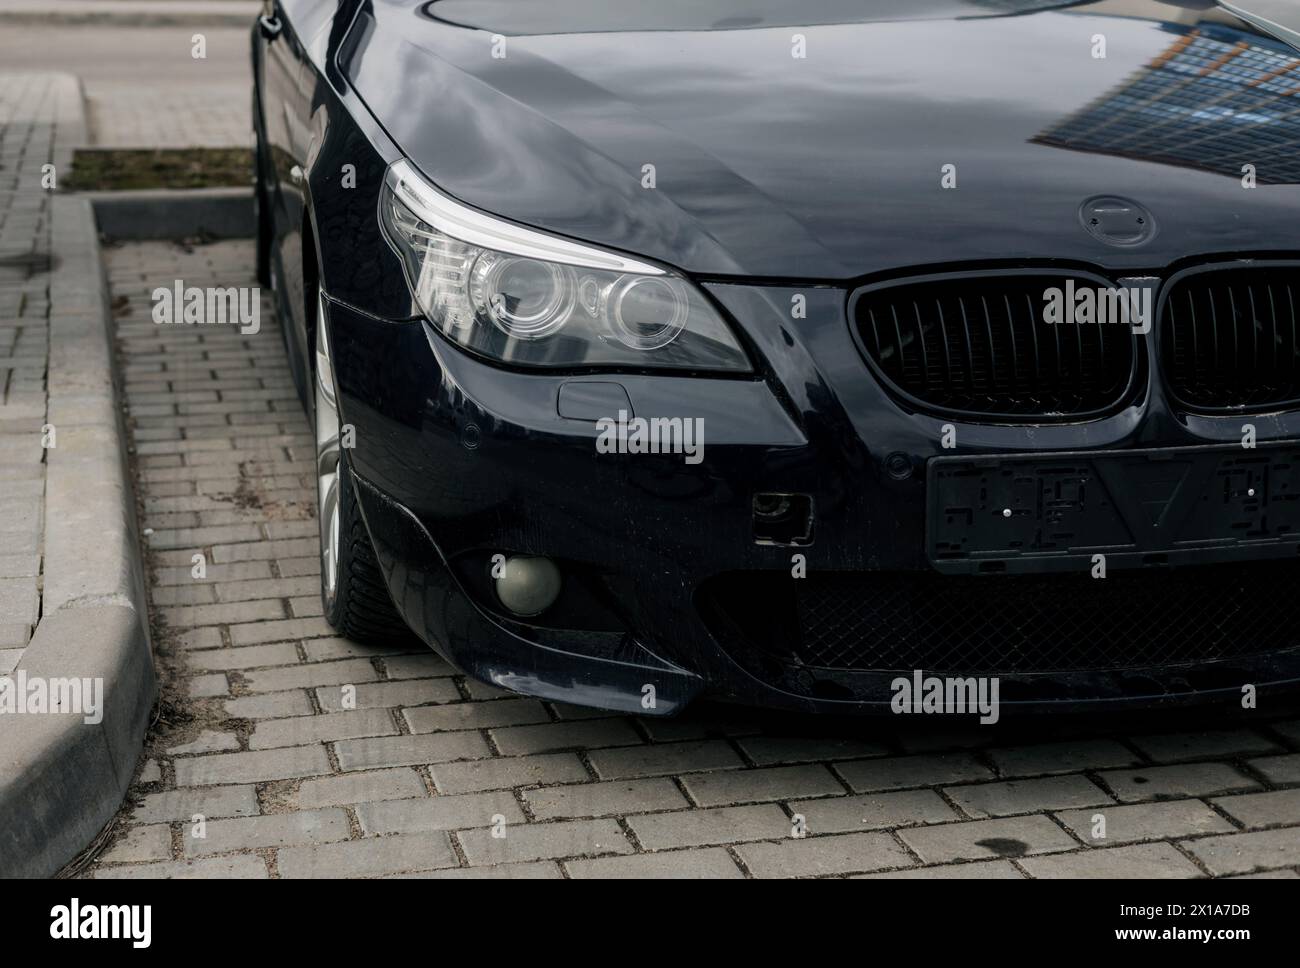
(1159, 506)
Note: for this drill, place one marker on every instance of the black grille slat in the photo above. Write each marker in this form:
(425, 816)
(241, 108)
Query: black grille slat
(1254, 324)
(1213, 330)
(943, 333)
(1272, 315)
(993, 349)
(1011, 327)
(876, 332)
(898, 333)
(1101, 346)
(1219, 362)
(1078, 349)
(1196, 358)
(970, 345)
(925, 355)
(1235, 330)
(995, 361)
(1295, 346)
(1173, 323)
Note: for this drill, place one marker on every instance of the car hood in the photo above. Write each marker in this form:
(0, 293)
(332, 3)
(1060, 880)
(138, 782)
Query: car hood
(813, 141)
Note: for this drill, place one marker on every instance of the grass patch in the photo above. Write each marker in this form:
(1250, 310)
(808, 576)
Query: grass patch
(106, 170)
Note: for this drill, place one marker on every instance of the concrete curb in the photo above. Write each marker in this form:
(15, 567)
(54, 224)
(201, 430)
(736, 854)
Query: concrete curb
(223, 213)
(61, 778)
(73, 127)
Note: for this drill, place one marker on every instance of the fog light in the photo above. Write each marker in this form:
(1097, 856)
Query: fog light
(527, 585)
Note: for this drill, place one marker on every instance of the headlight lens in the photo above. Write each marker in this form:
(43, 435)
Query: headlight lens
(532, 299)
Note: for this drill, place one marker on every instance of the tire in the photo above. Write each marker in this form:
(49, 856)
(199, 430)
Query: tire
(354, 596)
(262, 216)
(361, 609)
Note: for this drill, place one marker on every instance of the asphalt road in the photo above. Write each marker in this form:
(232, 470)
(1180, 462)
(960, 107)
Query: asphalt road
(144, 87)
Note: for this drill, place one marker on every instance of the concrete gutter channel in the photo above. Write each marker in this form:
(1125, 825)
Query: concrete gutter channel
(62, 779)
(220, 213)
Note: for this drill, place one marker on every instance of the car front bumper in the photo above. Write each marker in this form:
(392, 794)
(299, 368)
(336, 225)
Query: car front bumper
(457, 460)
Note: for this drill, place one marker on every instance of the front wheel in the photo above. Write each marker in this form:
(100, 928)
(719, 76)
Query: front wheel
(354, 597)
(261, 221)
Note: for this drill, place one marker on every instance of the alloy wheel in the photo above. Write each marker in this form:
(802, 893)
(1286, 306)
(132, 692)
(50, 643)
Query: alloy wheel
(327, 460)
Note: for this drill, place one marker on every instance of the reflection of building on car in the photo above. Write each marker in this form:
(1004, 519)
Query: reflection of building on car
(837, 267)
(1216, 98)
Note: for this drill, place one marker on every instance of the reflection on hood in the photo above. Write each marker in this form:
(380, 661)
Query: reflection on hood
(527, 17)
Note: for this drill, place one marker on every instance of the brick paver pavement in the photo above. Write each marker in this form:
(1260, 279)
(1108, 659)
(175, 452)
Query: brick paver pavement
(40, 116)
(435, 775)
(144, 88)
(127, 115)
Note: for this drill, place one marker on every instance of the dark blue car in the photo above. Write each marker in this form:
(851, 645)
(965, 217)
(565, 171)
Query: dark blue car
(781, 352)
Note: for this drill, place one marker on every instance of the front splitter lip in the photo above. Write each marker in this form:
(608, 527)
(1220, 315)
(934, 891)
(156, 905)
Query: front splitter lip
(619, 690)
(532, 669)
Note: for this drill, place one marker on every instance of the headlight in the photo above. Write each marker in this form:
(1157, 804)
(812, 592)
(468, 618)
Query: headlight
(532, 299)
